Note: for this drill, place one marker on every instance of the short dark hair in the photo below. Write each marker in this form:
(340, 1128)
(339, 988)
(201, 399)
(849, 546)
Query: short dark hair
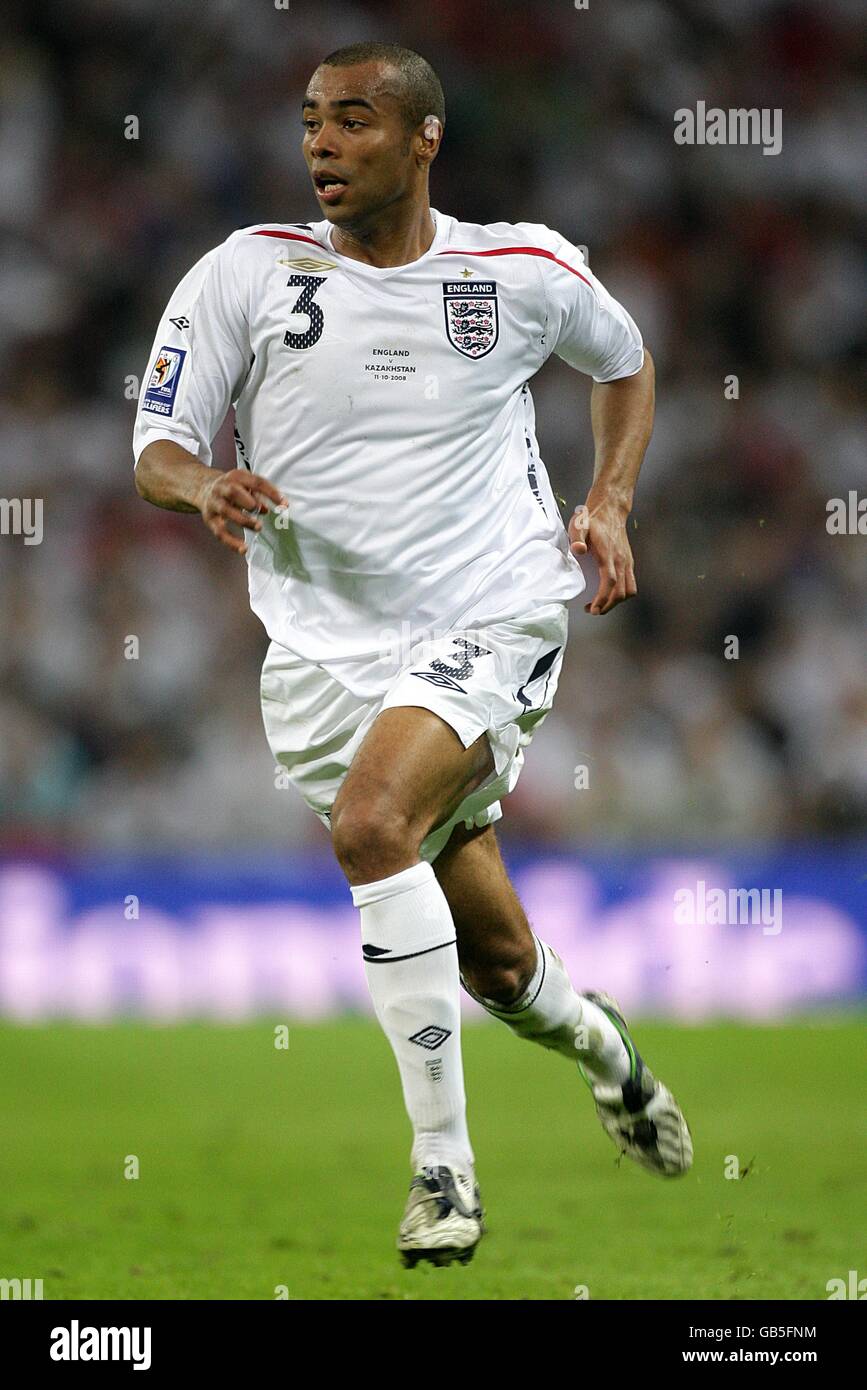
(422, 93)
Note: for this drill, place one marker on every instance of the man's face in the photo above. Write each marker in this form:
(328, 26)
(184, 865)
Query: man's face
(357, 147)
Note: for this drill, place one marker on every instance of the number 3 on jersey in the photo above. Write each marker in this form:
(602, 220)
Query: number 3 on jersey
(304, 305)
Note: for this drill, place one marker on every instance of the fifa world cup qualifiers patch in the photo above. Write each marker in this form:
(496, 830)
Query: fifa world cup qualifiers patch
(472, 322)
(161, 389)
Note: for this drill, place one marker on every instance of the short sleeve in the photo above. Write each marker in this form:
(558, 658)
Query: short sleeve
(586, 326)
(200, 358)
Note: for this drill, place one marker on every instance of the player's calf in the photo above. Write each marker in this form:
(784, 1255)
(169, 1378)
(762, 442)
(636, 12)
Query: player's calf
(502, 973)
(533, 994)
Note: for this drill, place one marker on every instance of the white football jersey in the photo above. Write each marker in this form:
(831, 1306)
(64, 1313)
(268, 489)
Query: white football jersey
(392, 407)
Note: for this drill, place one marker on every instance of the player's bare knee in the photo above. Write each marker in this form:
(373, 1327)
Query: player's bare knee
(372, 839)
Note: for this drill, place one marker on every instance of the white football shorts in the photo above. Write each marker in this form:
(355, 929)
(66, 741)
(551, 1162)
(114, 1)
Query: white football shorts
(498, 680)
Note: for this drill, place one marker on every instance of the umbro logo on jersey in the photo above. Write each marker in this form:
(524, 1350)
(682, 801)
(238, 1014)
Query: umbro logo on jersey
(472, 320)
(309, 263)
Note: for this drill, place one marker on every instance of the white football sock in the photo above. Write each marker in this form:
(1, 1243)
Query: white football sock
(411, 963)
(550, 1012)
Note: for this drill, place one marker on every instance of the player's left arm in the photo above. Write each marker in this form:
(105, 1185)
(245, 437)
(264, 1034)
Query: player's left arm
(595, 334)
(621, 413)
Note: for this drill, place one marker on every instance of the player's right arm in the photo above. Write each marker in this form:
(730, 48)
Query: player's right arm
(200, 359)
(171, 477)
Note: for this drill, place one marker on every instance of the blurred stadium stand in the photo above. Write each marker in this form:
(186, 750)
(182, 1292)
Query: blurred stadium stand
(731, 262)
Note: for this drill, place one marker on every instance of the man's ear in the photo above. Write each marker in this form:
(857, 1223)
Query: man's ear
(431, 136)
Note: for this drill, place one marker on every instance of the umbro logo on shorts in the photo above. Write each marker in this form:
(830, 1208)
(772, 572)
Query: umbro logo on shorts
(436, 678)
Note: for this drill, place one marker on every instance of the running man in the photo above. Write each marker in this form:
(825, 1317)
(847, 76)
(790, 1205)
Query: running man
(408, 560)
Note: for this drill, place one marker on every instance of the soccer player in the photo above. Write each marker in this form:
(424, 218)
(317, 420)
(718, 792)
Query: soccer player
(408, 560)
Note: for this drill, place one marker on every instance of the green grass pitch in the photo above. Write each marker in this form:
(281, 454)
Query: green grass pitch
(262, 1167)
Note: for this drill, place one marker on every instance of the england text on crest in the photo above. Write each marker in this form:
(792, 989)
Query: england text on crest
(472, 322)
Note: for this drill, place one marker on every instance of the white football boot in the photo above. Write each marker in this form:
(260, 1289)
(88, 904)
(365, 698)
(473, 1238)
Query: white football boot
(443, 1221)
(640, 1115)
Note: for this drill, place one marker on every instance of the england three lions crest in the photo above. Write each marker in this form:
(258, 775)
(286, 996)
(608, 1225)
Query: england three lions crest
(472, 323)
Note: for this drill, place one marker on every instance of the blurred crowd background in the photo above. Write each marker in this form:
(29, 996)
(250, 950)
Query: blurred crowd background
(733, 263)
